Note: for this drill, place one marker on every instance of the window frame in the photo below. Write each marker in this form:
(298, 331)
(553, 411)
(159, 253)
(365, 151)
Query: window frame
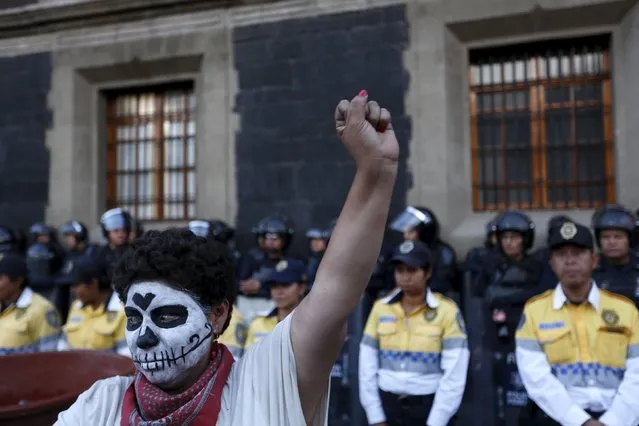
(537, 107)
(185, 115)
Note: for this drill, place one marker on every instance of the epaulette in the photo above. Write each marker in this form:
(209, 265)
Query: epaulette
(617, 296)
(541, 296)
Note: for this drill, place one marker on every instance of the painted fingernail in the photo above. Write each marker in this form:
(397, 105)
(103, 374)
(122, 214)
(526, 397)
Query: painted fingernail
(363, 93)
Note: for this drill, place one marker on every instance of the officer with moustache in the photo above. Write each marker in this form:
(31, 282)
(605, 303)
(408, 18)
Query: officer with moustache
(618, 268)
(578, 345)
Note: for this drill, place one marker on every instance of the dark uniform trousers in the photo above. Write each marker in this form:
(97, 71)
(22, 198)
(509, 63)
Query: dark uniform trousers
(405, 410)
(531, 415)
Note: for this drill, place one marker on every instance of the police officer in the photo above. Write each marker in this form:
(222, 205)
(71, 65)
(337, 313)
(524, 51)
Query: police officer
(277, 232)
(8, 241)
(234, 337)
(75, 236)
(28, 322)
(510, 279)
(317, 243)
(421, 224)
(287, 285)
(413, 356)
(116, 225)
(618, 268)
(224, 233)
(44, 261)
(548, 278)
(97, 320)
(41, 233)
(578, 345)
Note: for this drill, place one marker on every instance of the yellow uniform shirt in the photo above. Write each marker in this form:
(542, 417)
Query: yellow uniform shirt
(234, 336)
(581, 357)
(262, 325)
(99, 329)
(422, 353)
(31, 324)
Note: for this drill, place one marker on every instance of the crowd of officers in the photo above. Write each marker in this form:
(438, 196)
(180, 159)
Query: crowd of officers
(560, 323)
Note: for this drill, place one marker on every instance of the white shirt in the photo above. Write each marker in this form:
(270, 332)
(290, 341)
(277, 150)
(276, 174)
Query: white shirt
(261, 390)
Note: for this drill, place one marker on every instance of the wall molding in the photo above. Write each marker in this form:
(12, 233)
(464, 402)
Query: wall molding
(173, 24)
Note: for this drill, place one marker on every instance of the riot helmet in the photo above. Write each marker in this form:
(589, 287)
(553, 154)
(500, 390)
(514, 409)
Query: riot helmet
(221, 231)
(115, 219)
(201, 228)
(516, 221)
(420, 219)
(277, 225)
(8, 240)
(76, 229)
(614, 216)
(41, 232)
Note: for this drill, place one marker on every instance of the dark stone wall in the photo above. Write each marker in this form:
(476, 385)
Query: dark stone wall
(24, 119)
(291, 76)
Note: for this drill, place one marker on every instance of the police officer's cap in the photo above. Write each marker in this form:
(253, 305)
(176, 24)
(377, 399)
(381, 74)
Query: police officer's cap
(571, 233)
(80, 270)
(288, 271)
(13, 265)
(412, 253)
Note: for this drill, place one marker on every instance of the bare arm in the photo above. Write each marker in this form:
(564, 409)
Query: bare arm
(318, 326)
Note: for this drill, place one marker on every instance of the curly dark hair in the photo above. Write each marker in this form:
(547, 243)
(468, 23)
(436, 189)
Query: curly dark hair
(200, 266)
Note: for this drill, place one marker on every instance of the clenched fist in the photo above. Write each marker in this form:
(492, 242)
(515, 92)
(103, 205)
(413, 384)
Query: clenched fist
(366, 131)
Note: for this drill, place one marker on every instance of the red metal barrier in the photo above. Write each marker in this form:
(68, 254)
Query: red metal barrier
(34, 388)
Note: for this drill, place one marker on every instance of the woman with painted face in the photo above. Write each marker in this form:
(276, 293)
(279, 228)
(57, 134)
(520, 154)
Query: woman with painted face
(177, 289)
(510, 278)
(413, 357)
(287, 284)
(96, 319)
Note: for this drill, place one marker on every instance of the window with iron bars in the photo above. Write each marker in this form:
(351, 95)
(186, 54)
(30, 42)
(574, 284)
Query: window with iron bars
(151, 152)
(542, 125)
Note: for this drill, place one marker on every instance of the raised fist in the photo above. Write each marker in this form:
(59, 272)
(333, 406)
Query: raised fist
(366, 131)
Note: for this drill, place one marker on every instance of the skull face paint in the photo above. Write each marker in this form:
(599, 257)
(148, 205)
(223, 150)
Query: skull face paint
(167, 331)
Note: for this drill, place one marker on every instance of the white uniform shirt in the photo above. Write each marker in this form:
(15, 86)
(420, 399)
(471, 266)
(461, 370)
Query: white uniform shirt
(261, 390)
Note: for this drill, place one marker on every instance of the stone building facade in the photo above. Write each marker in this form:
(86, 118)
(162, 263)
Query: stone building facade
(238, 102)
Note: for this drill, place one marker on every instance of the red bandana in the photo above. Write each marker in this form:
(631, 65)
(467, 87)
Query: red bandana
(146, 404)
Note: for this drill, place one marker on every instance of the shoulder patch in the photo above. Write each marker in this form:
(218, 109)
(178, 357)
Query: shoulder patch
(618, 297)
(460, 322)
(241, 332)
(53, 319)
(522, 321)
(539, 297)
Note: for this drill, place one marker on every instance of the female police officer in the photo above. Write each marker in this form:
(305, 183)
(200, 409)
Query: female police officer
(96, 320)
(28, 322)
(413, 355)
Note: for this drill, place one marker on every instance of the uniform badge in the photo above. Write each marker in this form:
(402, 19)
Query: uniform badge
(110, 316)
(240, 333)
(68, 268)
(522, 321)
(610, 317)
(406, 247)
(20, 313)
(568, 231)
(430, 314)
(53, 319)
(460, 322)
(1, 256)
(281, 265)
